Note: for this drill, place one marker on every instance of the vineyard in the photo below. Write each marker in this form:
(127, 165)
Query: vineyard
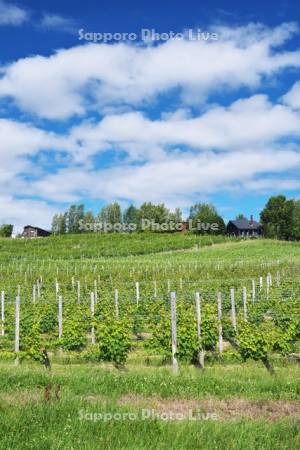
(152, 302)
(92, 306)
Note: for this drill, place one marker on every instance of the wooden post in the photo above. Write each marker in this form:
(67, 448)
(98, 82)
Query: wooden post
(198, 316)
(260, 283)
(73, 283)
(270, 279)
(253, 291)
(34, 293)
(169, 286)
(117, 303)
(233, 313)
(38, 289)
(245, 303)
(220, 330)
(95, 291)
(137, 289)
(60, 317)
(92, 315)
(174, 332)
(2, 313)
(78, 291)
(17, 325)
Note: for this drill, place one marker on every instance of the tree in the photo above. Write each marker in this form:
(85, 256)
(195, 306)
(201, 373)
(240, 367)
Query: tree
(59, 224)
(88, 221)
(241, 217)
(158, 214)
(111, 214)
(176, 216)
(74, 215)
(6, 230)
(131, 215)
(296, 220)
(205, 219)
(277, 217)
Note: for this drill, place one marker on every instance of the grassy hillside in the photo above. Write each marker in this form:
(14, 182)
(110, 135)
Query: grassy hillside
(97, 245)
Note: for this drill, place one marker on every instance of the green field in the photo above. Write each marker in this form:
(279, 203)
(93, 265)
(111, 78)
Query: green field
(119, 391)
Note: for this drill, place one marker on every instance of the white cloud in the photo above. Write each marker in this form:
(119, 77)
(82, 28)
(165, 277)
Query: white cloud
(57, 22)
(233, 148)
(96, 76)
(21, 212)
(246, 122)
(292, 98)
(19, 142)
(11, 14)
(175, 178)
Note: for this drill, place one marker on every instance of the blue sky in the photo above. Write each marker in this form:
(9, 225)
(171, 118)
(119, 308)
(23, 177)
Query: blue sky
(179, 121)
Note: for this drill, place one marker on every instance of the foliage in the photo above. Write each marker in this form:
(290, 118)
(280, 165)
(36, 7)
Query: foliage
(6, 230)
(277, 218)
(205, 219)
(74, 216)
(131, 215)
(59, 225)
(253, 343)
(188, 344)
(111, 214)
(74, 333)
(113, 341)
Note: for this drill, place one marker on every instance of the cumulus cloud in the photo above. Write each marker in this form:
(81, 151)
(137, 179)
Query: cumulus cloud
(21, 212)
(11, 14)
(94, 76)
(292, 98)
(177, 156)
(175, 178)
(245, 122)
(19, 143)
(229, 148)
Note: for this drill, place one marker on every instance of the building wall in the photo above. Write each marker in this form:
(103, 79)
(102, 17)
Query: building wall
(31, 232)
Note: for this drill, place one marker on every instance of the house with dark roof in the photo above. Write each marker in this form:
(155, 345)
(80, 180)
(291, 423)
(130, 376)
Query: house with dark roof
(32, 232)
(244, 228)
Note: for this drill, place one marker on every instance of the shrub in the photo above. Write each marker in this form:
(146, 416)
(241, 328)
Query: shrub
(114, 341)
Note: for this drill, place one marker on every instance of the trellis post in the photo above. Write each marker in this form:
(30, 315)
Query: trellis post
(198, 317)
(174, 332)
(220, 330)
(2, 313)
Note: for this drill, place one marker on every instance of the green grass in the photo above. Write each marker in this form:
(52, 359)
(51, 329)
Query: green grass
(248, 380)
(58, 427)
(99, 245)
(28, 421)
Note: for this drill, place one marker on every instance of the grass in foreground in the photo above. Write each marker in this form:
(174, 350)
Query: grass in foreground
(253, 409)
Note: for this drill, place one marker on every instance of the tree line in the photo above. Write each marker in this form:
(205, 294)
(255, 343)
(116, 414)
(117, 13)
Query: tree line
(76, 220)
(280, 218)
